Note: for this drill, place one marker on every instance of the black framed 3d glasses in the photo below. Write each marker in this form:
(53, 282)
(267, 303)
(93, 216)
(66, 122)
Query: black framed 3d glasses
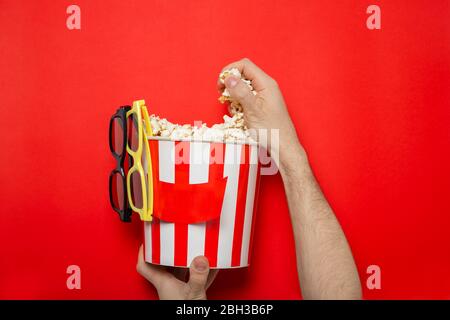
(117, 179)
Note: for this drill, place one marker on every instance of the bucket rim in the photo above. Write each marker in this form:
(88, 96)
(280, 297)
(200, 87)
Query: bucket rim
(250, 143)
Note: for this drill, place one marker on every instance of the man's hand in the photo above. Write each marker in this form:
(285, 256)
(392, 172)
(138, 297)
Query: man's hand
(266, 109)
(171, 282)
(325, 264)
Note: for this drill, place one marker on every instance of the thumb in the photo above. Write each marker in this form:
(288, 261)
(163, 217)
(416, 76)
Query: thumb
(198, 277)
(240, 92)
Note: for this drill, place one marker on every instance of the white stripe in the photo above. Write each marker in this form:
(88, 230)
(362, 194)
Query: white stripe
(227, 216)
(167, 231)
(166, 158)
(251, 188)
(196, 241)
(198, 163)
(148, 241)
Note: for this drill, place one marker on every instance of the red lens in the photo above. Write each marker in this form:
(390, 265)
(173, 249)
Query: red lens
(136, 190)
(117, 136)
(118, 191)
(133, 133)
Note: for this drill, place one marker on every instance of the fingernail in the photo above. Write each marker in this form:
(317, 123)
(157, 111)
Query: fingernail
(231, 82)
(200, 265)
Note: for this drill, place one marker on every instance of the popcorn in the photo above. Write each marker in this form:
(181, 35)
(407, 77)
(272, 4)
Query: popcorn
(231, 130)
(235, 106)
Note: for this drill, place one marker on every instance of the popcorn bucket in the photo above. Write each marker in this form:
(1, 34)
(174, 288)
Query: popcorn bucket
(204, 203)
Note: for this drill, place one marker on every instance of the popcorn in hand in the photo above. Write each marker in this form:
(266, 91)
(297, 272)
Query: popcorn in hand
(235, 106)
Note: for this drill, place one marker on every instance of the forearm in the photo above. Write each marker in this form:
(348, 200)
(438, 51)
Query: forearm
(325, 264)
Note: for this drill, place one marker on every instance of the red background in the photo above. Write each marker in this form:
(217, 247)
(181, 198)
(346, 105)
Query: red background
(371, 108)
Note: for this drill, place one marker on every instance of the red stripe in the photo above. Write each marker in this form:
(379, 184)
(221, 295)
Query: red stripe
(212, 241)
(240, 207)
(217, 156)
(255, 208)
(156, 242)
(181, 242)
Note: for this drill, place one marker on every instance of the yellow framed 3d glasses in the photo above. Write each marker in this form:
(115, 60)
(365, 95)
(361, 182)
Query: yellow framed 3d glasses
(139, 176)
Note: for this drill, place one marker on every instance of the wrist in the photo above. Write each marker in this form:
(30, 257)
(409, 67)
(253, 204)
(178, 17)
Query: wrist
(293, 158)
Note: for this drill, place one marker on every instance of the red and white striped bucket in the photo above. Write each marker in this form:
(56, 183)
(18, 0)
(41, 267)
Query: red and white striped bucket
(204, 203)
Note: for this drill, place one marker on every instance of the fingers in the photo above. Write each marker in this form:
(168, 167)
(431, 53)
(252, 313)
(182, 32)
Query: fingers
(240, 92)
(249, 70)
(198, 277)
(153, 273)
